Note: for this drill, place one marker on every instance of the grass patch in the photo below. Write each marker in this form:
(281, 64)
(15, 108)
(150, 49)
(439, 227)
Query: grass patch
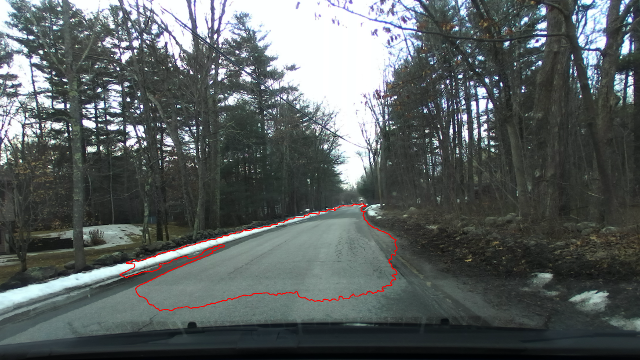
(59, 258)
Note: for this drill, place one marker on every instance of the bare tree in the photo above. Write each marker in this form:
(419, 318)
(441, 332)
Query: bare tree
(71, 66)
(550, 108)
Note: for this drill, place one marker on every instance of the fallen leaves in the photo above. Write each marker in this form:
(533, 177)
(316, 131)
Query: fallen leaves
(596, 256)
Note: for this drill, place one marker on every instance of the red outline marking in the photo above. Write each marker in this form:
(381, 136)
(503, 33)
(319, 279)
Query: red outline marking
(214, 248)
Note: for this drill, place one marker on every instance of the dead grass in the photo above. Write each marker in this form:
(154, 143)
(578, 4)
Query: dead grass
(529, 248)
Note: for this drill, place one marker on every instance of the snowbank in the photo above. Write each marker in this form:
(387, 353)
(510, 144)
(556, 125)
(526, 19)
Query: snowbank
(374, 211)
(16, 297)
(591, 301)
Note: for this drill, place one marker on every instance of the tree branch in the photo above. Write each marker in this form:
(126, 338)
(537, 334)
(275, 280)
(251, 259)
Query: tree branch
(448, 36)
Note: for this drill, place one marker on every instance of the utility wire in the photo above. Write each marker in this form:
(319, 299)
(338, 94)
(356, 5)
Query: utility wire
(255, 78)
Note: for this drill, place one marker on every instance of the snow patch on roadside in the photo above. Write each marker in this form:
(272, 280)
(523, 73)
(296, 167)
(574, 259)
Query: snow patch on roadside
(541, 279)
(537, 283)
(625, 324)
(374, 211)
(591, 301)
(14, 298)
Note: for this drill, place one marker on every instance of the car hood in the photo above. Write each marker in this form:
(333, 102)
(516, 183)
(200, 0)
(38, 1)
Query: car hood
(334, 338)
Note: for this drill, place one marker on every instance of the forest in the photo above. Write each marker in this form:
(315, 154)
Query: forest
(124, 120)
(487, 107)
(492, 107)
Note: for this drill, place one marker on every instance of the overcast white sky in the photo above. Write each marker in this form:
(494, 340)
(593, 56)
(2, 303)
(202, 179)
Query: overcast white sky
(337, 63)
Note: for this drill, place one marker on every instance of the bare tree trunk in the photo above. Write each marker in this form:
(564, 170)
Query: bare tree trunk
(507, 109)
(215, 147)
(383, 166)
(550, 107)
(215, 34)
(470, 145)
(20, 247)
(598, 115)
(285, 163)
(479, 125)
(187, 198)
(76, 140)
(379, 173)
(198, 224)
(113, 209)
(146, 235)
(517, 156)
(203, 59)
(459, 148)
(162, 184)
(444, 139)
(606, 97)
(197, 64)
(37, 103)
(635, 33)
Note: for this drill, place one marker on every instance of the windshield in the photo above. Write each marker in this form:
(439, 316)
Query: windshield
(250, 162)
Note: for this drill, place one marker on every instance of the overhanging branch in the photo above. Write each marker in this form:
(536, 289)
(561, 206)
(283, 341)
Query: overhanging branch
(448, 36)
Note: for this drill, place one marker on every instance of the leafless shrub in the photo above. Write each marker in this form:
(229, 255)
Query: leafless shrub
(96, 237)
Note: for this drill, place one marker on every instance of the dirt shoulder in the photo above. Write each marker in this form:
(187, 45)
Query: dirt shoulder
(499, 263)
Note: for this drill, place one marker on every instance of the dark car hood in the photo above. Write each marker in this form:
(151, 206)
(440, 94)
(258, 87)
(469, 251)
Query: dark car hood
(333, 339)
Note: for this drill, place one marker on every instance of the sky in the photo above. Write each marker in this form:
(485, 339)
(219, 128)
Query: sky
(337, 63)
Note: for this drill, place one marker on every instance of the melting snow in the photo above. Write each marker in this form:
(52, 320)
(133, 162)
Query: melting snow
(591, 301)
(538, 281)
(625, 324)
(541, 279)
(374, 211)
(116, 234)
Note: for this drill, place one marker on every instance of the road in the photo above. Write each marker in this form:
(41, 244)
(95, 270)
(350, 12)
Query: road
(333, 255)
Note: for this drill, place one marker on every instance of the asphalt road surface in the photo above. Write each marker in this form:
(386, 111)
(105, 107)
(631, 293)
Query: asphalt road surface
(333, 255)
